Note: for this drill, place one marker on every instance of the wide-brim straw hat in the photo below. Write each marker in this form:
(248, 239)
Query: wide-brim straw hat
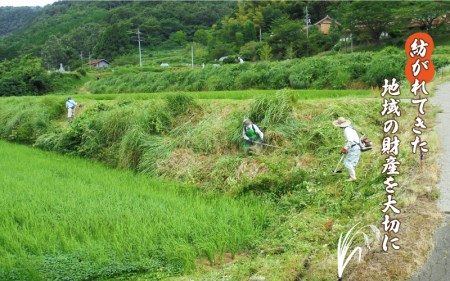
(342, 122)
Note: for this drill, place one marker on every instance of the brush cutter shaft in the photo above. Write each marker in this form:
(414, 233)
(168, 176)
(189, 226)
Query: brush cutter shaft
(267, 144)
(340, 160)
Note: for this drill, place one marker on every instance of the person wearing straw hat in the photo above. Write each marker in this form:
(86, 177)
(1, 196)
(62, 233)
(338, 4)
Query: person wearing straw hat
(252, 136)
(352, 147)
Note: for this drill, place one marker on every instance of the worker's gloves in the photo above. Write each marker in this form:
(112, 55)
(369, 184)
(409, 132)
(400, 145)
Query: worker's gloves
(250, 141)
(344, 151)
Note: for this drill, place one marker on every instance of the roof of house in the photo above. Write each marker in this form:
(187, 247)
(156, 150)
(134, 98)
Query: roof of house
(95, 62)
(326, 18)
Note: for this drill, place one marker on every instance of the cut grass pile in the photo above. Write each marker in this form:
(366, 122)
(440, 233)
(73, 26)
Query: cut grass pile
(69, 219)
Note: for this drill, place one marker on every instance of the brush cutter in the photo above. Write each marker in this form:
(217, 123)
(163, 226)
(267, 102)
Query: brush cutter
(269, 145)
(335, 170)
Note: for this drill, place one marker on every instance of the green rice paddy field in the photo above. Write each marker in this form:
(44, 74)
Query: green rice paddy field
(63, 218)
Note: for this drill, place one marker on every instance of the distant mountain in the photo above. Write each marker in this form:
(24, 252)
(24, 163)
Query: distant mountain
(15, 18)
(73, 23)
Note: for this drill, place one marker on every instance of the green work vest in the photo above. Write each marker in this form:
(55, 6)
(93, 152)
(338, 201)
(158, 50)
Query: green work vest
(250, 133)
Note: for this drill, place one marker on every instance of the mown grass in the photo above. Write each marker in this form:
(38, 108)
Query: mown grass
(69, 219)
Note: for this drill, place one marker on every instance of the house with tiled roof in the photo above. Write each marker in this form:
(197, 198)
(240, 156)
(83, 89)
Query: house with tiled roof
(99, 63)
(325, 24)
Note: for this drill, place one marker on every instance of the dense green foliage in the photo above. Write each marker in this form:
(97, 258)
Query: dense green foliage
(346, 71)
(66, 29)
(69, 31)
(25, 76)
(281, 24)
(64, 218)
(13, 19)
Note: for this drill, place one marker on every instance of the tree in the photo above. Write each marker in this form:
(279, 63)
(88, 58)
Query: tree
(202, 36)
(23, 75)
(427, 15)
(368, 19)
(81, 40)
(265, 53)
(114, 41)
(249, 31)
(250, 50)
(55, 52)
(287, 33)
(178, 38)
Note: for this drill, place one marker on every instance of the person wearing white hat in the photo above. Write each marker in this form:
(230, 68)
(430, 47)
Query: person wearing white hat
(252, 135)
(352, 147)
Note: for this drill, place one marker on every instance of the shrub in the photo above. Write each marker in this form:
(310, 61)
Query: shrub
(386, 64)
(339, 78)
(81, 71)
(250, 50)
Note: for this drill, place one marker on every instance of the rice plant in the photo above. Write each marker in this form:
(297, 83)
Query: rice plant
(63, 218)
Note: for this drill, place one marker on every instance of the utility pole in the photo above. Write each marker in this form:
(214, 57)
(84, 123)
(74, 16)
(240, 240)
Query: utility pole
(308, 22)
(81, 56)
(90, 66)
(192, 49)
(139, 44)
(260, 37)
(351, 42)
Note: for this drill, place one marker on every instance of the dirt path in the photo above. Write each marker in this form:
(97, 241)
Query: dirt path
(437, 267)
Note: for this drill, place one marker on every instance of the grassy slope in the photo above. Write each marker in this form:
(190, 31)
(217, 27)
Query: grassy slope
(202, 147)
(69, 218)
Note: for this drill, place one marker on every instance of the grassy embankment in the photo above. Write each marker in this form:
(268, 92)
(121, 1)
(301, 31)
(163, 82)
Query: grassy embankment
(198, 141)
(63, 218)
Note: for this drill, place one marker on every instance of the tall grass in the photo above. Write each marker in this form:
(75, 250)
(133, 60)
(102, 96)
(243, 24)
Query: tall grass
(339, 71)
(24, 119)
(68, 219)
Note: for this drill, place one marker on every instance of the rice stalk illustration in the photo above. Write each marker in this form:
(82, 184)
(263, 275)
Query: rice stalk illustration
(345, 244)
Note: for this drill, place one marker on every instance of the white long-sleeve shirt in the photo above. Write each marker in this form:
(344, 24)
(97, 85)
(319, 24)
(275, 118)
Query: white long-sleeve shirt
(351, 136)
(252, 127)
(71, 103)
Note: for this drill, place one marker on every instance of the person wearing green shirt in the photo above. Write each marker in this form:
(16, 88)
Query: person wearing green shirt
(252, 136)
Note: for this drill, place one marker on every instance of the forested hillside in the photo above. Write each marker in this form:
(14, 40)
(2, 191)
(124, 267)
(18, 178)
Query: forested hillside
(13, 19)
(62, 31)
(72, 32)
